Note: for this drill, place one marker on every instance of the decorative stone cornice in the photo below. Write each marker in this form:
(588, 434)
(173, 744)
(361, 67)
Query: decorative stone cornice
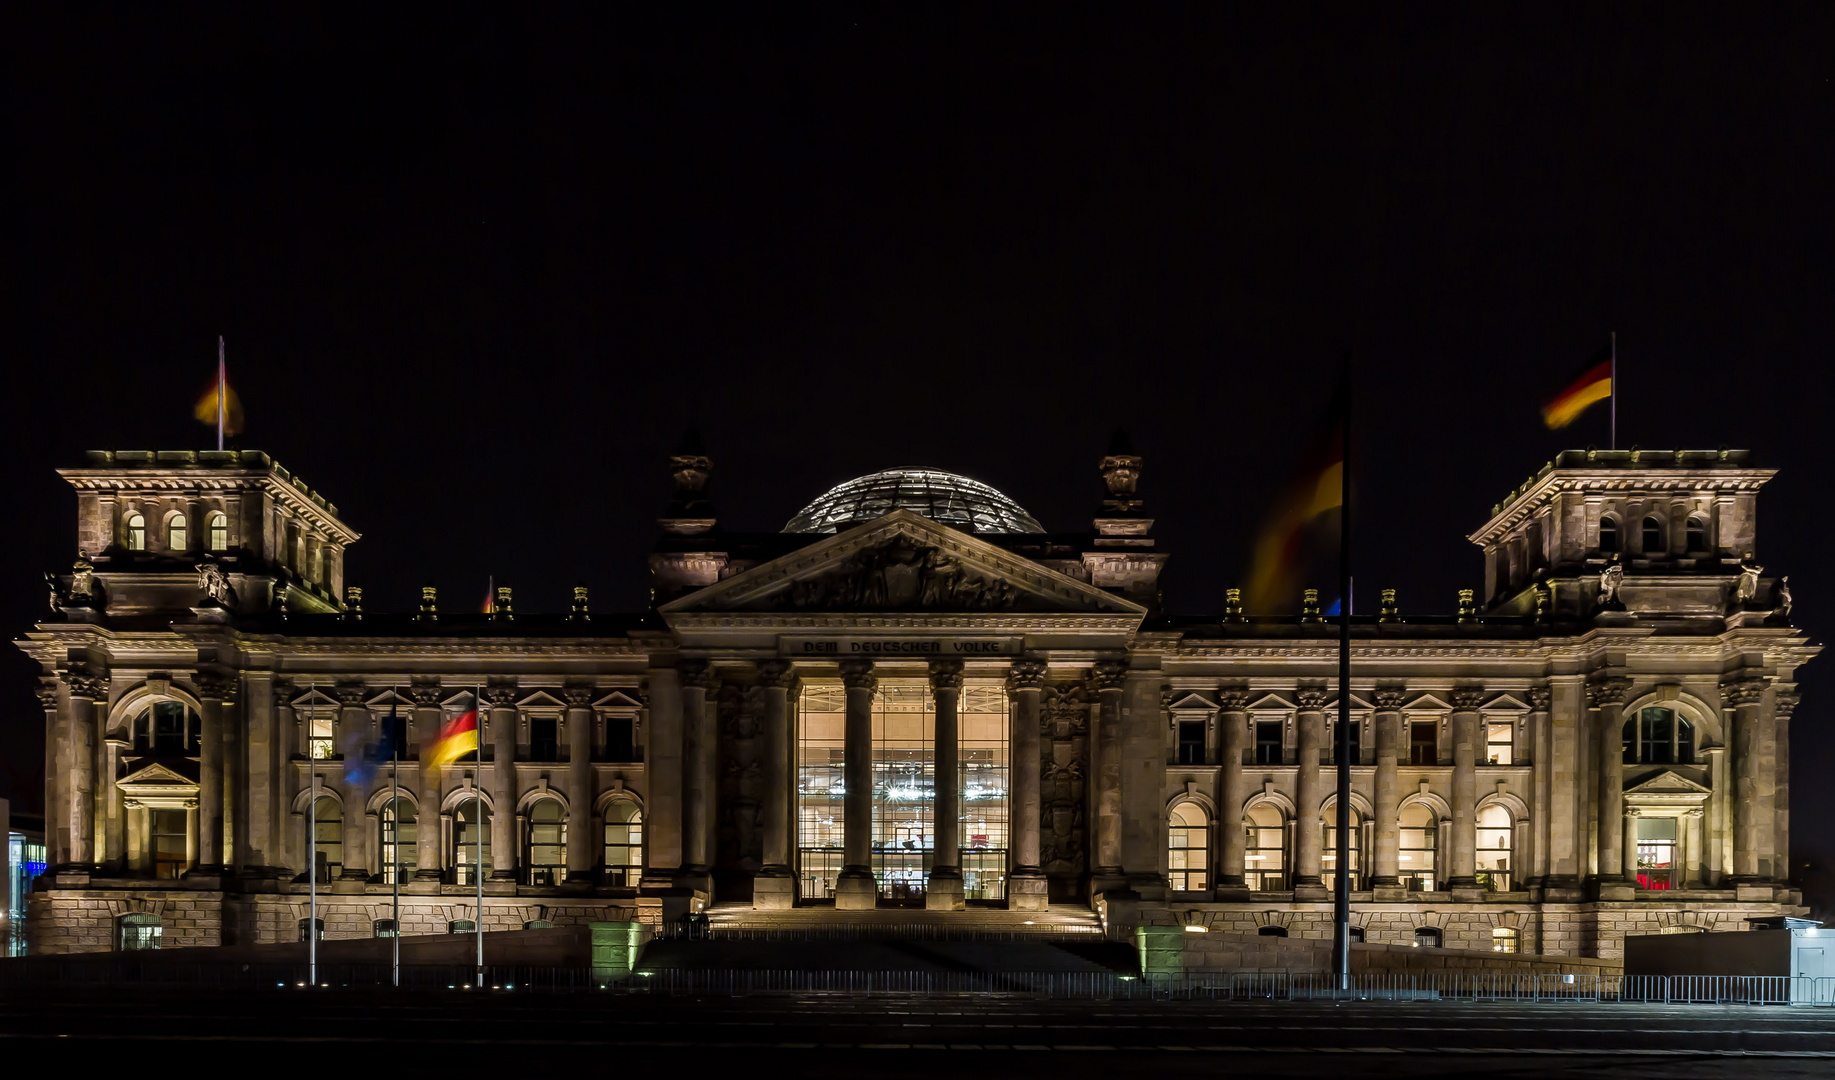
(1608, 691)
(1467, 698)
(1743, 691)
(1026, 673)
(857, 674)
(212, 687)
(1541, 697)
(946, 674)
(1311, 698)
(699, 674)
(1389, 698)
(776, 673)
(1109, 675)
(351, 695)
(425, 694)
(1233, 699)
(579, 697)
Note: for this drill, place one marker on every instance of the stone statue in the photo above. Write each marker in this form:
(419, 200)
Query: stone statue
(215, 584)
(1610, 579)
(83, 587)
(1782, 607)
(1748, 589)
(899, 577)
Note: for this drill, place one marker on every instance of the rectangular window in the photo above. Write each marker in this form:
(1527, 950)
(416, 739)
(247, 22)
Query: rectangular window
(1331, 743)
(1424, 743)
(1267, 742)
(544, 740)
(168, 836)
(620, 738)
(1656, 853)
(1191, 742)
(1500, 741)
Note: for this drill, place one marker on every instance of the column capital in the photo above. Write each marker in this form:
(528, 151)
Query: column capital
(579, 697)
(1744, 691)
(1467, 698)
(501, 697)
(350, 694)
(47, 694)
(1608, 691)
(1541, 696)
(425, 693)
(1311, 698)
(1109, 675)
(1027, 673)
(1784, 702)
(857, 674)
(1233, 699)
(88, 685)
(776, 673)
(699, 674)
(946, 674)
(1389, 698)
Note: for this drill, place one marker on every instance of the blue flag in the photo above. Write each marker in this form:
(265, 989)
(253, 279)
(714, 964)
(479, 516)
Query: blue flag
(360, 768)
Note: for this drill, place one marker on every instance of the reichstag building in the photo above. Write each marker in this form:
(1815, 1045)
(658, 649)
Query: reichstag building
(915, 695)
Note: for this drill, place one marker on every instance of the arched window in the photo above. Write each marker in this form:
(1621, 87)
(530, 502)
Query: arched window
(136, 532)
(1494, 836)
(1657, 736)
(1188, 842)
(328, 836)
(1654, 543)
(624, 844)
(538, 924)
(400, 831)
(167, 728)
(1419, 837)
(461, 926)
(1504, 939)
(1265, 848)
(1357, 935)
(546, 858)
(134, 933)
(1697, 535)
(1608, 536)
(1271, 931)
(216, 532)
(176, 533)
(383, 928)
(316, 924)
(1428, 937)
(1329, 857)
(471, 826)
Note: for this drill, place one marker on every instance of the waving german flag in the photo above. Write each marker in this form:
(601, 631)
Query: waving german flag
(1592, 383)
(1317, 487)
(458, 737)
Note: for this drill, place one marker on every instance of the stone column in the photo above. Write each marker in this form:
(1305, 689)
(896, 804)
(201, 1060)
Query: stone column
(1464, 825)
(1693, 876)
(1309, 790)
(1751, 817)
(211, 692)
(774, 887)
(1027, 888)
(584, 843)
(663, 773)
(286, 786)
(1607, 695)
(1385, 873)
(1629, 867)
(79, 814)
(504, 852)
(136, 837)
(57, 836)
(855, 887)
(353, 732)
(1232, 788)
(428, 716)
(698, 678)
(1541, 774)
(192, 838)
(943, 889)
(1110, 679)
(1784, 703)
(113, 838)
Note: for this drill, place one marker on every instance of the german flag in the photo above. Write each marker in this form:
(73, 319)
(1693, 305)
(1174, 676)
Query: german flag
(1317, 487)
(1592, 383)
(458, 737)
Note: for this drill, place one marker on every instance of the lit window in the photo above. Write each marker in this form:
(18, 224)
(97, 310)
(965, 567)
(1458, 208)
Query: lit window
(400, 830)
(547, 855)
(1656, 852)
(1503, 939)
(1657, 736)
(1419, 837)
(538, 924)
(1188, 841)
(1653, 537)
(217, 532)
(1494, 834)
(168, 835)
(1357, 935)
(316, 924)
(1329, 857)
(461, 926)
(1500, 741)
(471, 828)
(1608, 536)
(1265, 849)
(135, 933)
(383, 928)
(328, 839)
(1428, 937)
(176, 533)
(136, 532)
(1697, 536)
(624, 844)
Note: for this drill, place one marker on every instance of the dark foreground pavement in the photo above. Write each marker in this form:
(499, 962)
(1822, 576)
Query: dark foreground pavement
(463, 1033)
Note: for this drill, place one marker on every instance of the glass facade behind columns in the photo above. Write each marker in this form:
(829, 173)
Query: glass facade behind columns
(904, 789)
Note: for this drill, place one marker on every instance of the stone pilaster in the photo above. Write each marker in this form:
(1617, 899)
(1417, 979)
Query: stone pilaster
(1386, 866)
(213, 691)
(114, 821)
(88, 689)
(1752, 781)
(1464, 824)
(1110, 679)
(428, 717)
(1309, 789)
(1027, 888)
(1541, 773)
(57, 739)
(1233, 717)
(774, 887)
(698, 747)
(583, 841)
(354, 721)
(285, 744)
(855, 887)
(499, 705)
(663, 771)
(943, 889)
(1783, 705)
(1607, 697)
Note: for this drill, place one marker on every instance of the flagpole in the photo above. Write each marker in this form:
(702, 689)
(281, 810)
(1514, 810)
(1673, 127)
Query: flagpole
(395, 850)
(312, 841)
(477, 702)
(1615, 389)
(221, 383)
(1341, 883)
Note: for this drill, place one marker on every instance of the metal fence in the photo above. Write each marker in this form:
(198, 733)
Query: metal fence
(873, 931)
(128, 970)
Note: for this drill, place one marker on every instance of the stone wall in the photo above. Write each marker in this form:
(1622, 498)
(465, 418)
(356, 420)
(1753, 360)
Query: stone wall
(1218, 952)
(64, 921)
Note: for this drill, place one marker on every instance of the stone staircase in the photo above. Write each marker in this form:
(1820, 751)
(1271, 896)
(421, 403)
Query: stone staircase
(734, 921)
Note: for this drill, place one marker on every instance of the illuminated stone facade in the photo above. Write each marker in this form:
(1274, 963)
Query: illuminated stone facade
(892, 708)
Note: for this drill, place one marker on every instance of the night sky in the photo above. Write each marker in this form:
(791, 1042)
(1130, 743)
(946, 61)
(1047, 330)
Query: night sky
(478, 275)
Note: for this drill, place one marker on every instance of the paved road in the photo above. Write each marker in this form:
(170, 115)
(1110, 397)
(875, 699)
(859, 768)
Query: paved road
(296, 1032)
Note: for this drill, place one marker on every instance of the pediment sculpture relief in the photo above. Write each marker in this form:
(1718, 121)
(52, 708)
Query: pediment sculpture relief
(902, 576)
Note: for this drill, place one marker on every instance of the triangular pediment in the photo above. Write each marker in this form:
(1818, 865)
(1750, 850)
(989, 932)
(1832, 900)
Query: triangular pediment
(1505, 702)
(157, 774)
(618, 699)
(541, 699)
(1193, 701)
(1426, 703)
(1269, 702)
(902, 562)
(1668, 783)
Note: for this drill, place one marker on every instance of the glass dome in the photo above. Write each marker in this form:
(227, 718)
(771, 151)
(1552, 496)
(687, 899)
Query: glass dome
(940, 496)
